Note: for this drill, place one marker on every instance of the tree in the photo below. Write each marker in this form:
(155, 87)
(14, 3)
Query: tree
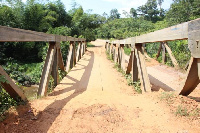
(133, 12)
(150, 10)
(183, 10)
(114, 14)
(160, 4)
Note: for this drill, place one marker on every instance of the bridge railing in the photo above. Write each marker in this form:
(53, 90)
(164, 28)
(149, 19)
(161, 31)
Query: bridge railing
(53, 59)
(186, 31)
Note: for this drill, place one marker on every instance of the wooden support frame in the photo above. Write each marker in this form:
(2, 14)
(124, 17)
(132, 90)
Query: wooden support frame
(78, 52)
(164, 59)
(144, 79)
(53, 60)
(68, 62)
(116, 55)
(173, 59)
(122, 57)
(130, 63)
(192, 78)
(159, 50)
(13, 90)
(47, 69)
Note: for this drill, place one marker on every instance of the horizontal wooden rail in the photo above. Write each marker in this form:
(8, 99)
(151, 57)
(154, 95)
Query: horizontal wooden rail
(53, 60)
(186, 31)
(8, 34)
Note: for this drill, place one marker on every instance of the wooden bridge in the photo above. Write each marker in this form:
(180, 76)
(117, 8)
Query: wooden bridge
(186, 31)
(53, 59)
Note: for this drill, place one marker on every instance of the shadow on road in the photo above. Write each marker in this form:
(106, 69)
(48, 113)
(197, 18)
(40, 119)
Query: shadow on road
(45, 118)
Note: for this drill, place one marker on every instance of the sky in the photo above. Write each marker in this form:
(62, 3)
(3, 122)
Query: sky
(101, 6)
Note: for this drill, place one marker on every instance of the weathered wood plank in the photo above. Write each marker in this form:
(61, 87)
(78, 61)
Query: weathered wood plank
(122, 63)
(8, 34)
(78, 52)
(159, 50)
(135, 67)
(173, 59)
(116, 54)
(194, 38)
(163, 54)
(13, 90)
(54, 71)
(191, 79)
(177, 32)
(60, 60)
(68, 62)
(129, 68)
(47, 70)
(144, 79)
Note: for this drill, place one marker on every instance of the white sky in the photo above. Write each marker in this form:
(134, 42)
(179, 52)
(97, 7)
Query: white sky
(101, 6)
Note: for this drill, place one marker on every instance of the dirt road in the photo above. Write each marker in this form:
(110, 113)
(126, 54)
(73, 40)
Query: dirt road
(94, 97)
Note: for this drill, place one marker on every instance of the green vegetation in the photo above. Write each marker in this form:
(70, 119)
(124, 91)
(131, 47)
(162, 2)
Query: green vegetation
(128, 77)
(167, 96)
(90, 45)
(182, 111)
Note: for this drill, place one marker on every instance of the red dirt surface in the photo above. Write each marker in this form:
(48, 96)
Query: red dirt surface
(95, 98)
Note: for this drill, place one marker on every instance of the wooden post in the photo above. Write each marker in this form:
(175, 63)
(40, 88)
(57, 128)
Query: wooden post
(119, 55)
(82, 48)
(78, 52)
(145, 83)
(134, 67)
(13, 90)
(60, 60)
(163, 54)
(159, 50)
(116, 54)
(107, 46)
(129, 68)
(73, 56)
(54, 71)
(122, 63)
(69, 57)
(192, 78)
(173, 59)
(110, 50)
(47, 69)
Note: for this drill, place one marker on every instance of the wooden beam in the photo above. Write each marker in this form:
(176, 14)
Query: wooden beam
(60, 60)
(78, 52)
(13, 90)
(173, 59)
(145, 53)
(163, 54)
(68, 62)
(47, 70)
(177, 32)
(129, 68)
(82, 48)
(135, 67)
(144, 79)
(191, 79)
(110, 49)
(159, 50)
(116, 58)
(8, 34)
(54, 71)
(122, 63)
(74, 55)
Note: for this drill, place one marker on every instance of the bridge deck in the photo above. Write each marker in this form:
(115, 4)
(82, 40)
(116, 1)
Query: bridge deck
(93, 97)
